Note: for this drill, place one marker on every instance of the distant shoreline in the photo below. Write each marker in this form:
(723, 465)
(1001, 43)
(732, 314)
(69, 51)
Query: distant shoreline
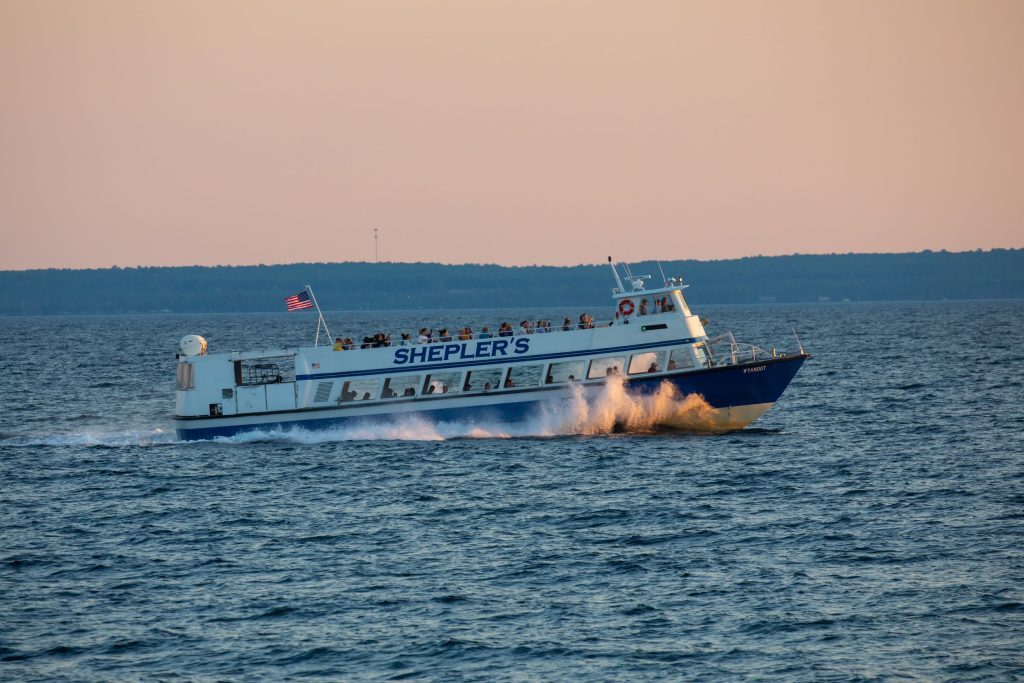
(993, 275)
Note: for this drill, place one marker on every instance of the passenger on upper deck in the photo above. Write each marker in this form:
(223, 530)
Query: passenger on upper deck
(485, 333)
(586, 322)
(567, 324)
(406, 339)
(465, 334)
(339, 344)
(443, 336)
(542, 326)
(666, 306)
(643, 307)
(525, 327)
(505, 330)
(424, 337)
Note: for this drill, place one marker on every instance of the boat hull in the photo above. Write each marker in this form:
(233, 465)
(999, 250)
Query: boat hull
(713, 400)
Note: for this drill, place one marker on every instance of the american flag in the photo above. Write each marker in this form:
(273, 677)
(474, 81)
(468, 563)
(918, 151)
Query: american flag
(298, 302)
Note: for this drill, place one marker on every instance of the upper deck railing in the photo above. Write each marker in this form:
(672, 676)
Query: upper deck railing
(518, 331)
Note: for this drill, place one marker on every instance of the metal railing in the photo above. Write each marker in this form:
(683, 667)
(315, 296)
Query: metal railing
(515, 332)
(725, 350)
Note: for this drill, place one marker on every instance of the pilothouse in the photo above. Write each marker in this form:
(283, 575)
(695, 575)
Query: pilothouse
(650, 342)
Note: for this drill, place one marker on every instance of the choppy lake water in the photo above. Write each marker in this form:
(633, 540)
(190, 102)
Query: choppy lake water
(870, 527)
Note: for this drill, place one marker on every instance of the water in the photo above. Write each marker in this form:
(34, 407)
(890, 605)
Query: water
(870, 527)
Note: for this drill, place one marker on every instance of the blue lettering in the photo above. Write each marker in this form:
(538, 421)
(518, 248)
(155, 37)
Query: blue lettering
(450, 350)
(401, 356)
(499, 347)
(483, 349)
(419, 354)
(522, 345)
(435, 353)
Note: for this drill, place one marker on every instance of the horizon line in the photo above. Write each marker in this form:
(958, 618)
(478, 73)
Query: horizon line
(500, 265)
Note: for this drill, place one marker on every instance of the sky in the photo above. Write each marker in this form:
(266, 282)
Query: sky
(514, 132)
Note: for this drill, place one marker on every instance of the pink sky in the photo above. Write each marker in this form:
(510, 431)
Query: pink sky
(199, 132)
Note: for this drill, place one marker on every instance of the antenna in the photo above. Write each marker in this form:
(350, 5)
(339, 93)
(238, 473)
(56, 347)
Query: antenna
(376, 254)
(799, 345)
(616, 274)
(664, 280)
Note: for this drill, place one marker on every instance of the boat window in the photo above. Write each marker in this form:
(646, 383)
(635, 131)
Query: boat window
(186, 376)
(680, 359)
(482, 380)
(359, 390)
(323, 392)
(703, 355)
(523, 376)
(442, 383)
(565, 372)
(397, 387)
(648, 361)
(258, 371)
(605, 367)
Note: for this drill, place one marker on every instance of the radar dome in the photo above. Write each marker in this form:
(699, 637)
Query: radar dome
(192, 345)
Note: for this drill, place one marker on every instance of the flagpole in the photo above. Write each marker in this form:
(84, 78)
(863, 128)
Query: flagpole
(320, 320)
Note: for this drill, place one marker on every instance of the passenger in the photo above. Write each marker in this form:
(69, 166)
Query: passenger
(424, 337)
(643, 307)
(567, 324)
(487, 386)
(444, 388)
(657, 305)
(666, 306)
(541, 327)
(609, 372)
(389, 393)
(366, 396)
(509, 382)
(406, 339)
(586, 322)
(572, 378)
(672, 365)
(339, 344)
(525, 327)
(485, 333)
(430, 389)
(505, 330)
(653, 367)
(367, 343)
(443, 336)
(465, 334)
(409, 391)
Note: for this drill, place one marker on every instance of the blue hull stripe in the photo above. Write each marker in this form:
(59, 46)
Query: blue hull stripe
(720, 387)
(492, 361)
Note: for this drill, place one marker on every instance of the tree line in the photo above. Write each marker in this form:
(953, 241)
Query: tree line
(992, 274)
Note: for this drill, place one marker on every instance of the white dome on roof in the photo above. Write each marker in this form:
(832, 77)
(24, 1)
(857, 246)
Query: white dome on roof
(192, 345)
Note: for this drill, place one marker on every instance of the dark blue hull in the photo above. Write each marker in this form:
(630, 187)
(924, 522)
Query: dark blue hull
(726, 387)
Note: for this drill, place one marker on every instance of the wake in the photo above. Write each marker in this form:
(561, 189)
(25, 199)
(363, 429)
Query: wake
(613, 410)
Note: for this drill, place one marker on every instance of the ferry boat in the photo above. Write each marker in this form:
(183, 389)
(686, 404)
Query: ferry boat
(651, 339)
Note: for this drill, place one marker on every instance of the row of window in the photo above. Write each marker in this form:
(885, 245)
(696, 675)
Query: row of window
(516, 377)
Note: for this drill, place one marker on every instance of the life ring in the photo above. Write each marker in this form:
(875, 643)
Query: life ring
(626, 307)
